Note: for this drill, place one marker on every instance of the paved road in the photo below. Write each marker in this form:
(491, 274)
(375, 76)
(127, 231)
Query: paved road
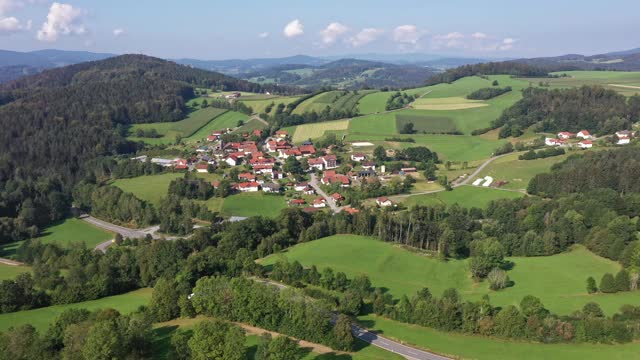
(314, 184)
(373, 338)
(125, 232)
(464, 181)
(10, 262)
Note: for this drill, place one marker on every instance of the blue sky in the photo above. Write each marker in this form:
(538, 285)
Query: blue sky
(216, 29)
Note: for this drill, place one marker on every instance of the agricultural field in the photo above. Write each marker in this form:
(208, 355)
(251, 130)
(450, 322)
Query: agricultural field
(486, 348)
(253, 204)
(626, 83)
(150, 188)
(316, 130)
(449, 103)
(185, 128)
(42, 317)
(559, 280)
(518, 173)
(377, 124)
(228, 119)
(164, 331)
(341, 100)
(8, 272)
(374, 103)
(259, 106)
(448, 147)
(425, 123)
(466, 196)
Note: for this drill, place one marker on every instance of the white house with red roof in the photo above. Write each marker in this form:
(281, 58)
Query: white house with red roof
(331, 177)
(202, 167)
(320, 202)
(251, 186)
(584, 134)
(384, 201)
(585, 144)
(358, 157)
(282, 134)
(316, 164)
(554, 142)
(565, 135)
(232, 160)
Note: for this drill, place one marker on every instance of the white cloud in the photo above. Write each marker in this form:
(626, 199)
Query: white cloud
(507, 44)
(365, 36)
(407, 34)
(293, 29)
(6, 5)
(450, 40)
(63, 19)
(263, 35)
(332, 32)
(479, 35)
(9, 25)
(117, 32)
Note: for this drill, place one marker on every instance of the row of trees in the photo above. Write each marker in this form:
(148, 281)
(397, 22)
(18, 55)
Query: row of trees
(488, 93)
(398, 101)
(541, 154)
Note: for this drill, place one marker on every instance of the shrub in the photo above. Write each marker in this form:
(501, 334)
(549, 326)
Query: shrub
(498, 279)
(608, 284)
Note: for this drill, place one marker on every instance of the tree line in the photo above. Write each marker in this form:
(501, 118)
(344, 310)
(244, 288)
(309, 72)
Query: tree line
(488, 93)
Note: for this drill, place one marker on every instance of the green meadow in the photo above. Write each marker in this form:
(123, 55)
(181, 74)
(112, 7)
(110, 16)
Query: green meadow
(466, 196)
(150, 188)
(42, 317)
(253, 204)
(518, 173)
(8, 272)
(228, 119)
(626, 83)
(374, 103)
(559, 280)
(259, 106)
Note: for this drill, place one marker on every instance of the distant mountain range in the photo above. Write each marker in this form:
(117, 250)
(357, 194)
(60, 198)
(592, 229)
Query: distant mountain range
(352, 71)
(628, 60)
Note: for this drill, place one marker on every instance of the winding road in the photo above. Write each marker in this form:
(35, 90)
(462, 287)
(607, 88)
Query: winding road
(125, 232)
(373, 338)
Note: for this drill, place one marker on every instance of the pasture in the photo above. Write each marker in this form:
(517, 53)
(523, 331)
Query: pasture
(42, 317)
(253, 204)
(184, 128)
(340, 100)
(486, 348)
(466, 196)
(150, 188)
(518, 173)
(250, 126)
(377, 124)
(374, 102)
(559, 280)
(317, 130)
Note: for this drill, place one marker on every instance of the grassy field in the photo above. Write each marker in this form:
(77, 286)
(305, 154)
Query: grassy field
(378, 124)
(481, 348)
(373, 103)
(150, 188)
(8, 272)
(164, 331)
(253, 204)
(519, 172)
(41, 318)
(185, 128)
(626, 83)
(75, 231)
(317, 130)
(448, 147)
(228, 119)
(559, 280)
(334, 99)
(467, 196)
(251, 125)
(425, 123)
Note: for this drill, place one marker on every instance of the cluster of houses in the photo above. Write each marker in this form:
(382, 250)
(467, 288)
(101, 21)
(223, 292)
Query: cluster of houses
(586, 142)
(564, 137)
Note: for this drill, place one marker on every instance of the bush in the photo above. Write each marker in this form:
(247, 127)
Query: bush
(498, 279)
(591, 285)
(608, 284)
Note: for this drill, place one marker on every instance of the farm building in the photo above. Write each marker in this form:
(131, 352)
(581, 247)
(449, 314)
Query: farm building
(566, 135)
(271, 188)
(300, 186)
(330, 161)
(249, 186)
(315, 164)
(282, 134)
(331, 177)
(358, 157)
(297, 202)
(202, 167)
(585, 144)
(319, 202)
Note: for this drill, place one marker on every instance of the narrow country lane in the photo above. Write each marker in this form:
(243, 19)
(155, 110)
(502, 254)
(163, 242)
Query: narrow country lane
(314, 184)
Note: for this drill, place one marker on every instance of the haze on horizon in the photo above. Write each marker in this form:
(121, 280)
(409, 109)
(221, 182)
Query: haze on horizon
(206, 30)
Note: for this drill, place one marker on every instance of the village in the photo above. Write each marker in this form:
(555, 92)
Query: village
(313, 178)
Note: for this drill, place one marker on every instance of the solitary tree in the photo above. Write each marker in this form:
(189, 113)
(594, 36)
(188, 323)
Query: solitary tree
(591, 285)
(622, 280)
(608, 284)
(379, 153)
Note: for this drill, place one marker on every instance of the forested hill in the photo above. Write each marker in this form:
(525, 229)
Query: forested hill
(53, 123)
(127, 66)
